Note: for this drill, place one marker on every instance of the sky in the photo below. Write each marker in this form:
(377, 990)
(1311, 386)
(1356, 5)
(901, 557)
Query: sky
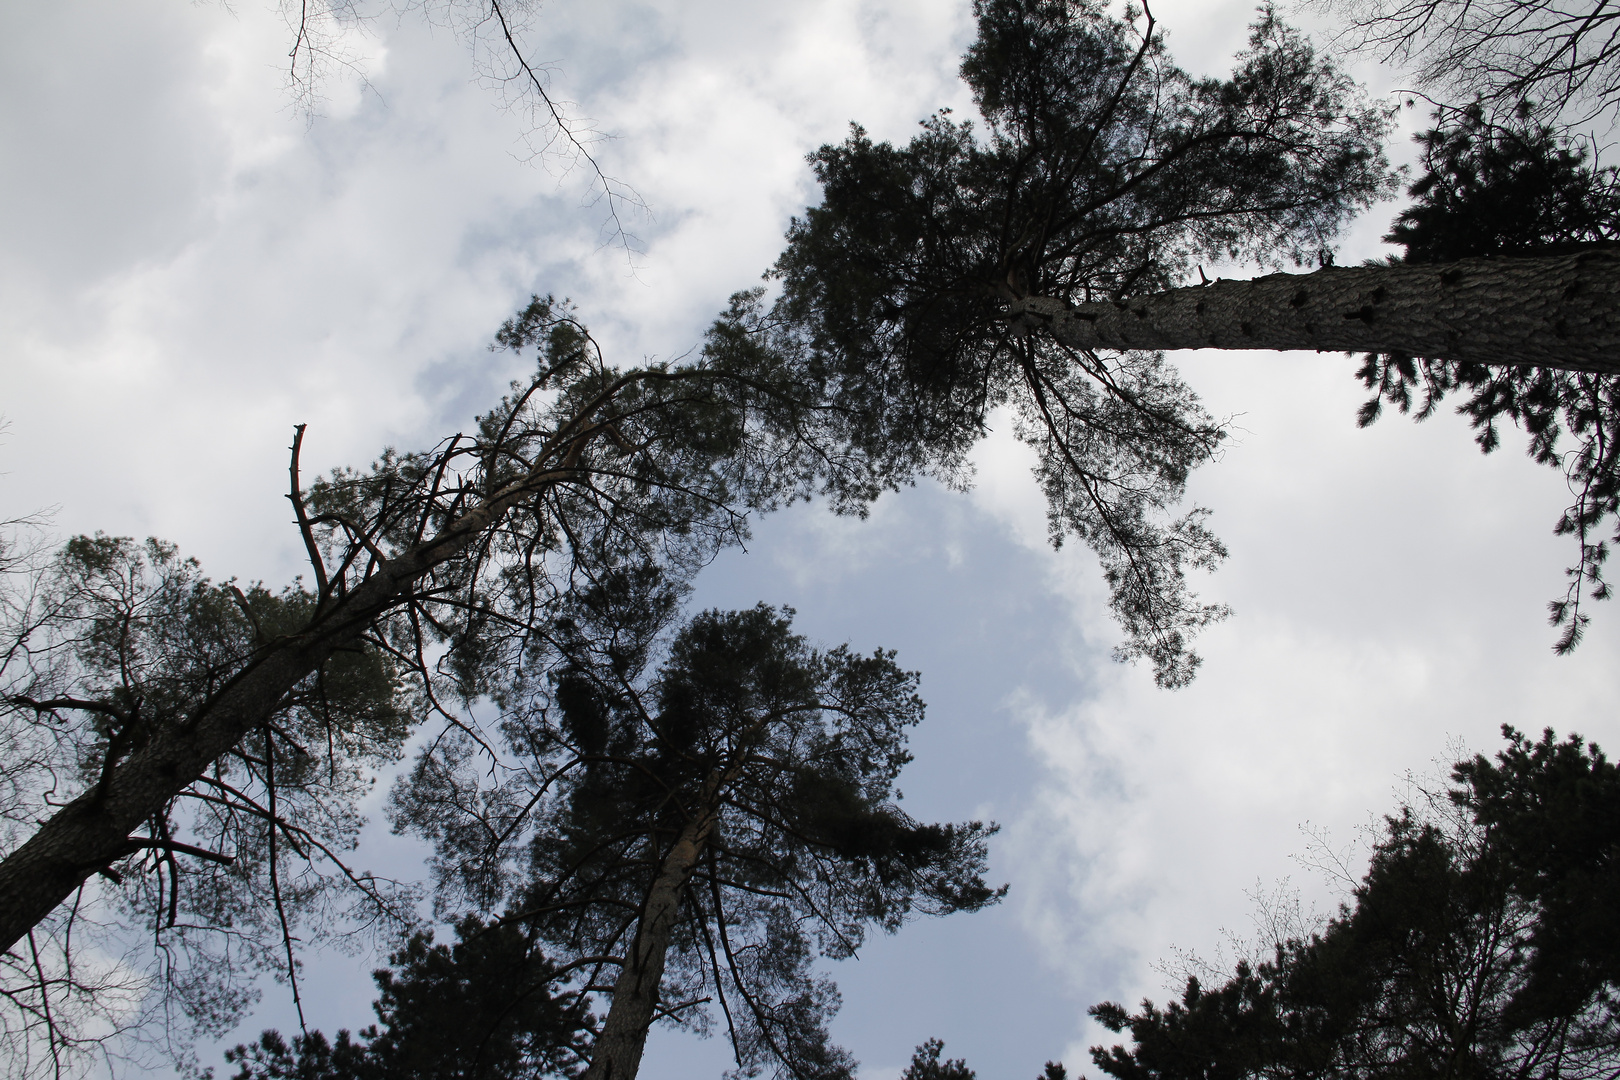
(189, 266)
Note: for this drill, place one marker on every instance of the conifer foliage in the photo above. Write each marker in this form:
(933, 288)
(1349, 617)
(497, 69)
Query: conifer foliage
(1038, 264)
(1101, 171)
(480, 1009)
(926, 1064)
(113, 645)
(689, 817)
(1479, 943)
(201, 746)
(1514, 190)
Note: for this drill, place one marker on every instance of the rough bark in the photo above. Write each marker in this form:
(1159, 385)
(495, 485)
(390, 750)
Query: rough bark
(617, 1054)
(94, 829)
(1556, 311)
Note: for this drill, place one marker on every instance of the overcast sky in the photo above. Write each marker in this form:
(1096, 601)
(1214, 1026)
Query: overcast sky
(189, 267)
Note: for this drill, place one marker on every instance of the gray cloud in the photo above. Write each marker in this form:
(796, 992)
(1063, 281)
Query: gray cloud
(187, 270)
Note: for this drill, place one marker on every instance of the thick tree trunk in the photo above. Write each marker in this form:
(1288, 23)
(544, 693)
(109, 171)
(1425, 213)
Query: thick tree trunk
(617, 1054)
(1557, 311)
(93, 830)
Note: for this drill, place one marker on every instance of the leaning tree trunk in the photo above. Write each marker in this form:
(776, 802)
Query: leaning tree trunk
(617, 1053)
(1555, 311)
(93, 830)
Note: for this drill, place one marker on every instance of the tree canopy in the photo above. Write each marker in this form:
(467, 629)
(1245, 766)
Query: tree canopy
(1461, 952)
(694, 834)
(136, 691)
(480, 1009)
(684, 839)
(1478, 943)
(1044, 266)
(1516, 189)
(1103, 171)
(683, 818)
(1552, 810)
(112, 646)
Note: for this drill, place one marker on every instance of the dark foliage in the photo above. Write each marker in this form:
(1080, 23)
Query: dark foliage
(1507, 190)
(1453, 959)
(1102, 171)
(658, 466)
(795, 751)
(1553, 810)
(925, 1064)
(1504, 189)
(110, 645)
(479, 1010)
(435, 579)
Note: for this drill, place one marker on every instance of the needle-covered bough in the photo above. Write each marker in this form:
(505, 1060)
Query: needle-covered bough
(198, 747)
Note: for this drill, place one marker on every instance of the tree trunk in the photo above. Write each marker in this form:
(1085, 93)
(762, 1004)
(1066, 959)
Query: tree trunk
(1557, 311)
(617, 1054)
(93, 830)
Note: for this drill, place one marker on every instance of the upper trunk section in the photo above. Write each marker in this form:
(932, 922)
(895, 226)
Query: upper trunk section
(1558, 311)
(618, 1049)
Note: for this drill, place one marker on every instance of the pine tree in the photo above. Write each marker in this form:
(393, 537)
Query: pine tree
(1511, 191)
(434, 579)
(481, 1009)
(1045, 263)
(1103, 172)
(1460, 954)
(685, 838)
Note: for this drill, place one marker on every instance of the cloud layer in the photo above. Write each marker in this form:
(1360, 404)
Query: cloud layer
(188, 268)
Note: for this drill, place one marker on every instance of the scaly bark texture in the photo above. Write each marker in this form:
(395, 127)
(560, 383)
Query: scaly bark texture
(93, 830)
(617, 1055)
(1557, 312)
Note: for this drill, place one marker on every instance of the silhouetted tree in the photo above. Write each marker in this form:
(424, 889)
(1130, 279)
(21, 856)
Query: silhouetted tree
(1553, 812)
(1504, 189)
(1454, 959)
(1516, 190)
(925, 1064)
(138, 690)
(114, 646)
(693, 836)
(1036, 266)
(1104, 172)
(481, 1009)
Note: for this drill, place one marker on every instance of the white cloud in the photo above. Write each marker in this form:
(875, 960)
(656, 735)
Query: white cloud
(1389, 588)
(186, 271)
